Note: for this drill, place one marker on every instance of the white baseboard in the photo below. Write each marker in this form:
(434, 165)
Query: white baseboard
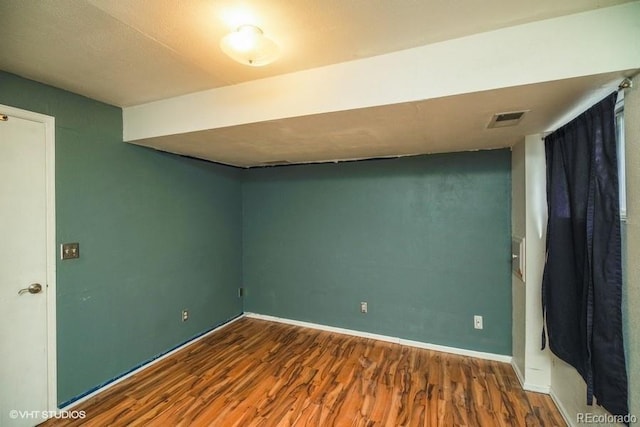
(518, 372)
(528, 386)
(563, 411)
(418, 344)
(147, 365)
(536, 388)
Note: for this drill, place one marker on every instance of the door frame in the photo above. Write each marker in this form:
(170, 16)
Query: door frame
(51, 250)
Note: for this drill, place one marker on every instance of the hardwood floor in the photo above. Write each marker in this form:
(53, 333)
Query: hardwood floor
(260, 373)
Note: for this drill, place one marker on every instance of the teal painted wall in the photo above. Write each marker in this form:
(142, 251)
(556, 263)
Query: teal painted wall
(157, 232)
(424, 240)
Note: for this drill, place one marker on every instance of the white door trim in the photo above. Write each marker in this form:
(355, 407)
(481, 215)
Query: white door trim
(52, 253)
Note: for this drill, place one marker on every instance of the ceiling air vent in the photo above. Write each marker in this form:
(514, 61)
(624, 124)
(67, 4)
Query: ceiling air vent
(500, 120)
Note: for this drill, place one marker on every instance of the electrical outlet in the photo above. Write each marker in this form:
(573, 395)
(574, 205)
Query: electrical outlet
(185, 315)
(364, 307)
(477, 322)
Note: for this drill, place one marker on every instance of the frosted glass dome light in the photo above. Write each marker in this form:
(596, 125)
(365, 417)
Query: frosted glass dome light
(248, 45)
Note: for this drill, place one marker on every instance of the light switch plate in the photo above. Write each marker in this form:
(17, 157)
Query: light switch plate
(69, 250)
(518, 257)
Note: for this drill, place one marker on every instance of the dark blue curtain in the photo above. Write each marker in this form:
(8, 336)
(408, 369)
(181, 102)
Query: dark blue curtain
(582, 282)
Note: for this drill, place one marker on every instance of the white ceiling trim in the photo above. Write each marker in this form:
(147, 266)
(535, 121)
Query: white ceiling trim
(594, 42)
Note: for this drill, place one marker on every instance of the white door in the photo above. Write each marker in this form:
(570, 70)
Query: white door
(23, 272)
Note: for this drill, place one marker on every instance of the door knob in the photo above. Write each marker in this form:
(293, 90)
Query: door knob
(34, 288)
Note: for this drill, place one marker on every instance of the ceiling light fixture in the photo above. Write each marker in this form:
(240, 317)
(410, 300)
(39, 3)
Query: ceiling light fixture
(248, 45)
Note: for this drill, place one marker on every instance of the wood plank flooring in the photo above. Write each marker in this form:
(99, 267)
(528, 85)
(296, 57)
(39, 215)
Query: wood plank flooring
(260, 373)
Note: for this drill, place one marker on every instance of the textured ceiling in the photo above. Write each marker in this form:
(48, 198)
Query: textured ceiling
(128, 53)
(131, 52)
(454, 123)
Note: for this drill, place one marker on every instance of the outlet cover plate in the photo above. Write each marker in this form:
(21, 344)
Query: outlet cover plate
(477, 322)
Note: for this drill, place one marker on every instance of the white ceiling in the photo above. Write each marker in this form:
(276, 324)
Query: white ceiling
(132, 52)
(454, 123)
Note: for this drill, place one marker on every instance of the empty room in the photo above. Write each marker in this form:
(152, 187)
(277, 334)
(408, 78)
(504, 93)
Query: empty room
(319, 213)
